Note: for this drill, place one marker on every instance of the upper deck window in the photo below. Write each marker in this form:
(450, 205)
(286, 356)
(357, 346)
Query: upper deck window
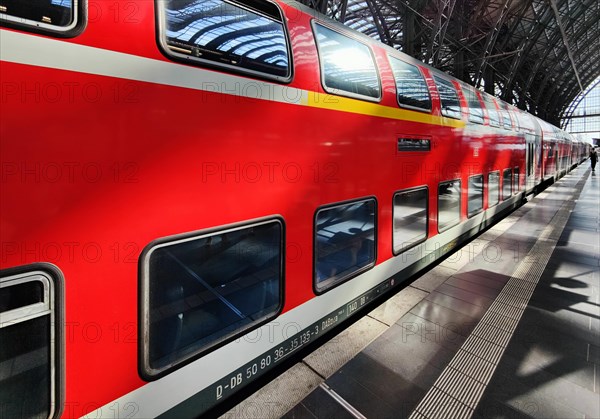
(475, 109)
(515, 119)
(347, 65)
(410, 85)
(58, 17)
(242, 36)
(492, 111)
(448, 98)
(505, 116)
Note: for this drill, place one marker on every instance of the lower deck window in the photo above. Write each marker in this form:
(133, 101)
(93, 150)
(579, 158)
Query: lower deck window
(202, 290)
(493, 188)
(410, 219)
(448, 204)
(344, 242)
(30, 345)
(507, 184)
(475, 195)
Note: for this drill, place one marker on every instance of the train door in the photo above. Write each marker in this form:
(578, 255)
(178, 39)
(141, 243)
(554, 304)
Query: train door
(533, 159)
(549, 160)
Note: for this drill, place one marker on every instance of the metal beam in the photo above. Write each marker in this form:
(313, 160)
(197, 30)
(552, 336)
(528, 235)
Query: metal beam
(380, 24)
(491, 40)
(565, 41)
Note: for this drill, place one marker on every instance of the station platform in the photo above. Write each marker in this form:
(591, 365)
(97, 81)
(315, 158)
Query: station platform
(506, 327)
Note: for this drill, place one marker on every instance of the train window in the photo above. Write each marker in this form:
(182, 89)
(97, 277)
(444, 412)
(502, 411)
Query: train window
(507, 184)
(475, 109)
(31, 342)
(344, 242)
(492, 111)
(347, 65)
(448, 204)
(410, 86)
(199, 291)
(530, 157)
(410, 219)
(65, 18)
(506, 123)
(475, 195)
(515, 120)
(448, 98)
(516, 180)
(240, 36)
(493, 188)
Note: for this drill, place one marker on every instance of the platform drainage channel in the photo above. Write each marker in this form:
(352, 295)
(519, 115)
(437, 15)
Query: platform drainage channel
(457, 391)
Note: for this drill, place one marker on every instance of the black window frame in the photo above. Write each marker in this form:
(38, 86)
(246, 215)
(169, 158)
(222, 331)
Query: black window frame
(347, 277)
(449, 226)
(447, 112)
(50, 274)
(416, 243)
(173, 55)
(391, 59)
(145, 370)
(338, 91)
(509, 170)
(480, 209)
(499, 190)
(72, 30)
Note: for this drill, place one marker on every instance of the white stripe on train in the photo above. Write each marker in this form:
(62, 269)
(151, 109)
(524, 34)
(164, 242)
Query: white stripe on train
(44, 52)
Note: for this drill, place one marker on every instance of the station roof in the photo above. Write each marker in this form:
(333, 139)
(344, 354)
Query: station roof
(536, 54)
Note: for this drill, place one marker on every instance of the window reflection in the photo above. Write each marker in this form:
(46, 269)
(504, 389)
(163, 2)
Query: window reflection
(410, 219)
(492, 112)
(410, 85)
(493, 188)
(344, 242)
(346, 64)
(448, 204)
(448, 97)
(29, 355)
(204, 290)
(475, 110)
(475, 195)
(506, 122)
(225, 33)
(58, 13)
(507, 184)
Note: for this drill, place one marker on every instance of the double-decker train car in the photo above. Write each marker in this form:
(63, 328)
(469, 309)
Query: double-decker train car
(193, 190)
(580, 151)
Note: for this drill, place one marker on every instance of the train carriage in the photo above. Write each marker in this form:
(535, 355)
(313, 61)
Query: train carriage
(194, 190)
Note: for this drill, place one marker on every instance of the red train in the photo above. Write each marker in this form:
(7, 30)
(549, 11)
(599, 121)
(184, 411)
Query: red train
(194, 189)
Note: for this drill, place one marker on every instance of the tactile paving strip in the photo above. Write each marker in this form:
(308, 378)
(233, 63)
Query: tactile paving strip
(457, 391)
